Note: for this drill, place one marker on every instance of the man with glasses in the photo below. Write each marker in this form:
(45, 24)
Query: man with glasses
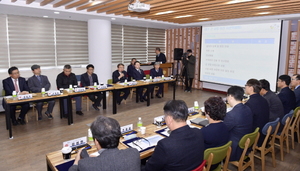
(119, 76)
(259, 107)
(286, 95)
(296, 84)
(18, 84)
(88, 79)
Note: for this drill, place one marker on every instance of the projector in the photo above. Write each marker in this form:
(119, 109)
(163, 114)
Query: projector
(138, 7)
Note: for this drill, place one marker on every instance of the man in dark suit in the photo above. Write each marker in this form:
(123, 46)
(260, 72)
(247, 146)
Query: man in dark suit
(18, 84)
(106, 134)
(275, 105)
(286, 95)
(296, 84)
(130, 68)
(64, 80)
(239, 120)
(189, 70)
(88, 79)
(160, 57)
(183, 149)
(119, 76)
(259, 107)
(138, 74)
(156, 72)
(35, 84)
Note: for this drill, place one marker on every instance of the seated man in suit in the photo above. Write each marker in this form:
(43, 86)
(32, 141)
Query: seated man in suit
(286, 95)
(296, 85)
(18, 84)
(239, 120)
(130, 68)
(64, 80)
(138, 74)
(106, 133)
(119, 76)
(275, 105)
(35, 84)
(259, 107)
(184, 148)
(88, 79)
(156, 72)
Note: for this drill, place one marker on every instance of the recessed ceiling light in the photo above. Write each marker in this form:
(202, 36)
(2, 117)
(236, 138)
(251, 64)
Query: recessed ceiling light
(237, 1)
(263, 13)
(45, 16)
(56, 12)
(113, 18)
(183, 16)
(166, 12)
(204, 19)
(264, 6)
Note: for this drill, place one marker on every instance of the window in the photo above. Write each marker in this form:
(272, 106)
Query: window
(3, 43)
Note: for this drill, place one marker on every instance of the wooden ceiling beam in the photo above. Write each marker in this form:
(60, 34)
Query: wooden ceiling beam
(60, 3)
(13, 0)
(108, 4)
(29, 1)
(45, 2)
(75, 4)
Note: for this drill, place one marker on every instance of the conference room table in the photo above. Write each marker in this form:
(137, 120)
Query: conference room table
(55, 158)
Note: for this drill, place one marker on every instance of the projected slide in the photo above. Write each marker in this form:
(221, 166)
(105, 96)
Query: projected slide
(233, 54)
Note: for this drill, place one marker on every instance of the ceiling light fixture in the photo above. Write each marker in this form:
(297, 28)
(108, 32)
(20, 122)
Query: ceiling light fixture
(264, 6)
(113, 18)
(183, 16)
(56, 12)
(263, 13)
(45, 16)
(204, 19)
(237, 1)
(95, 2)
(166, 12)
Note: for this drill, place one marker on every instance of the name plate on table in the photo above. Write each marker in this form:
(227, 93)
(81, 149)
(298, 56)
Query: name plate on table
(79, 89)
(102, 86)
(132, 83)
(168, 78)
(53, 92)
(157, 79)
(25, 96)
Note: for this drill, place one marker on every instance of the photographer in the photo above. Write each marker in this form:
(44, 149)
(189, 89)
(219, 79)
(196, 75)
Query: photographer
(188, 61)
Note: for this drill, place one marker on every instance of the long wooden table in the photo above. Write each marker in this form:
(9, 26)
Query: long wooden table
(55, 158)
(69, 95)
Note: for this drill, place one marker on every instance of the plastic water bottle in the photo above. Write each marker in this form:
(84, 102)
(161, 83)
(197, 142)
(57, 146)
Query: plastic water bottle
(125, 82)
(90, 137)
(70, 88)
(196, 106)
(163, 77)
(43, 91)
(139, 123)
(95, 85)
(14, 95)
(150, 78)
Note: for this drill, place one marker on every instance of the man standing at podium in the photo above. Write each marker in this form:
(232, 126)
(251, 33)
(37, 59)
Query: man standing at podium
(160, 57)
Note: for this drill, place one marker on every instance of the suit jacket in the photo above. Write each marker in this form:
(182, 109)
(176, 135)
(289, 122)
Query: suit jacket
(275, 106)
(116, 74)
(288, 99)
(239, 122)
(297, 94)
(111, 160)
(183, 150)
(189, 66)
(35, 86)
(138, 76)
(154, 74)
(130, 69)
(85, 81)
(161, 58)
(63, 81)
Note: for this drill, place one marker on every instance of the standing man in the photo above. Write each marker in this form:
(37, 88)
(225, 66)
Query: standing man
(184, 148)
(138, 74)
(275, 105)
(296, 84)
(130, 68)
(64, 80)
(189, 70)
(286, 95)
(156, 72)
(88, 79)
(259, 107)
(239, 120)
(35, 84)
(18, 84)
(160, 57)
(119, 76)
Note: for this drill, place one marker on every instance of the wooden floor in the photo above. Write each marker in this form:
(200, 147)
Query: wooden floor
(33, 141)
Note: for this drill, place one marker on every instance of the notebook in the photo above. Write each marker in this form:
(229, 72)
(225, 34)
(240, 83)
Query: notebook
(200, 121)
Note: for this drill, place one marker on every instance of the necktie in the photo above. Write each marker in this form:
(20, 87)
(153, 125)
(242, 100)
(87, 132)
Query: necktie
(91, 80)
(39, 78)
(16, 85)
(140, 71)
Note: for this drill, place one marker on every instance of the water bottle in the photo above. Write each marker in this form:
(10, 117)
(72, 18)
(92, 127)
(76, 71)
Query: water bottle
(43, 91)
(95, 85)
(151, 78)
(125, 82)
(90, 137)
(14, 95)
(139, 123)
(70, 88)
(163, 77)
(196, 106)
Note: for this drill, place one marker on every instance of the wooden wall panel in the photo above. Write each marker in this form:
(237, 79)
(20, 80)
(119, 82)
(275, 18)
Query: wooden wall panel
(185, 38)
